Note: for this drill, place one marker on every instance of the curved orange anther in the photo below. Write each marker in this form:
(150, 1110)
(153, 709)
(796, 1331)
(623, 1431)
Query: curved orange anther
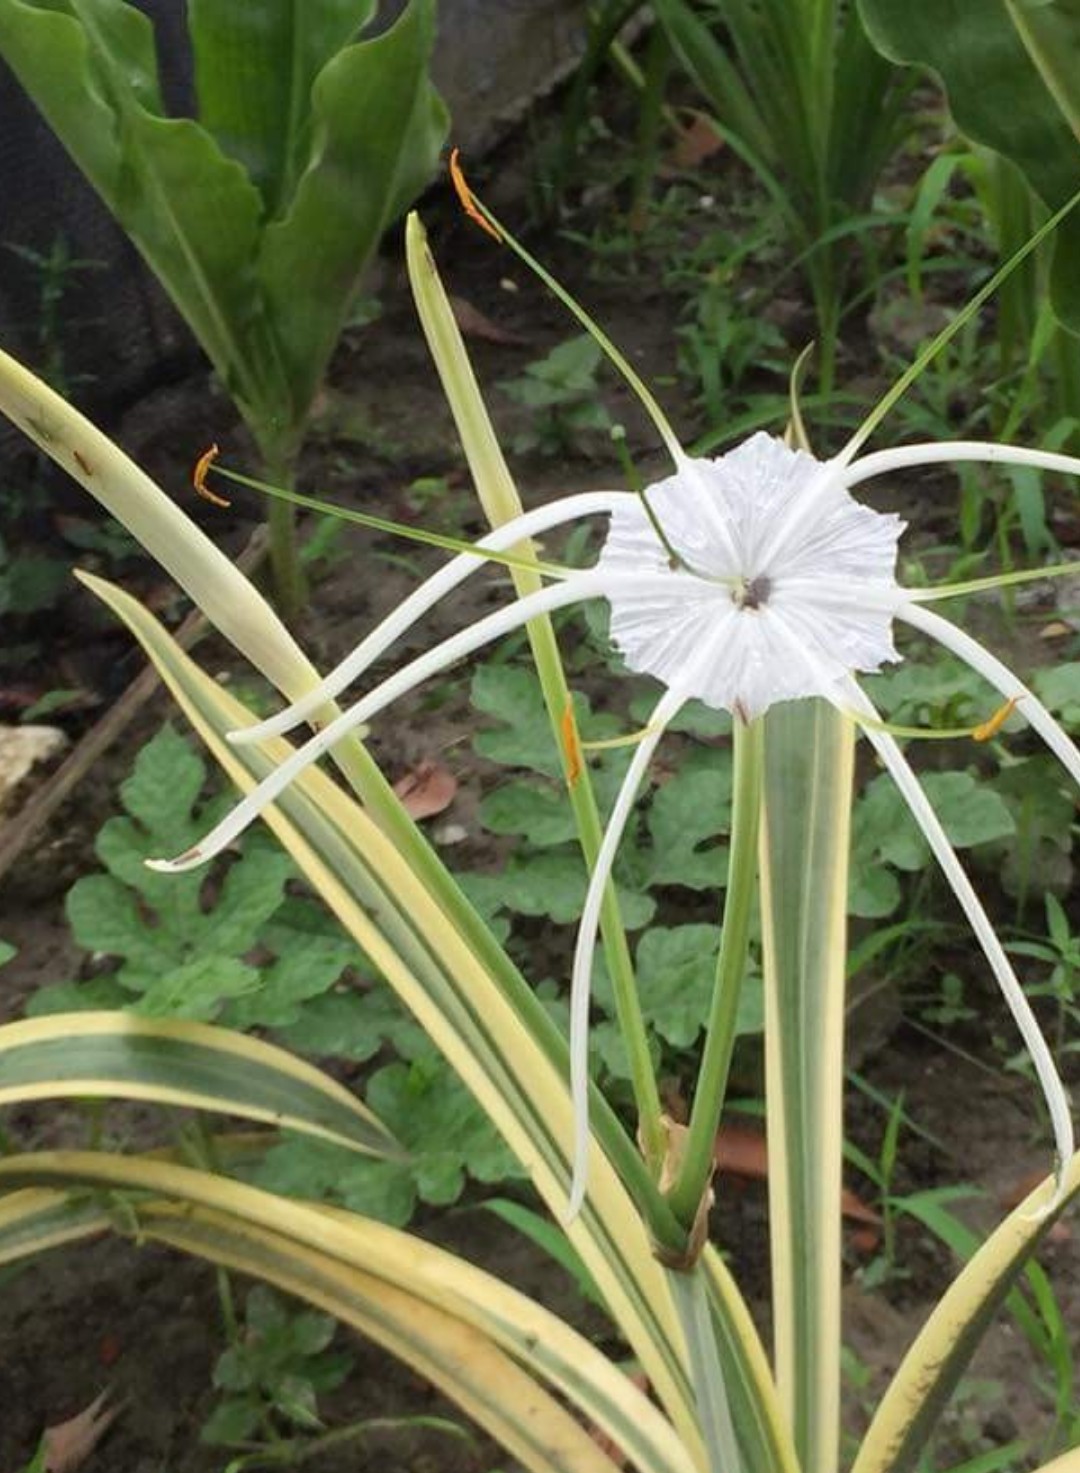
(571, 745)
(465, 195)
(987, 729)
(199, 474)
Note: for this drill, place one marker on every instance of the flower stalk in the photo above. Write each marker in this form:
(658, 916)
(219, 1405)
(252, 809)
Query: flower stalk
(698, 1154)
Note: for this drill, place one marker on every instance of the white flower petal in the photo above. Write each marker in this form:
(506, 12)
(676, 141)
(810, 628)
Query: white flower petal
(835, 589)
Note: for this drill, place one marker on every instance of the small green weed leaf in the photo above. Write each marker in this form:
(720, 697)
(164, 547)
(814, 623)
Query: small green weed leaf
(185, 945)
(943, 693)
(695, 719)
(512, 696)
(311, 953)
(553, 884)
(104, 917)
(443, 1128)
(676, 967)
(542, 816)
(318, 1171)
(1058, 686)
(233, 1421)
(874, 892)
(165, 784)
(447, 1135)
(970, 812)
(7, 951)
(688, 814)
(354, 1024)
(196, 989)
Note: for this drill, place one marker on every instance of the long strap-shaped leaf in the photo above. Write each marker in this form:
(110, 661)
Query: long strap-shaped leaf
(941, 1351)
(340, 1251)
(1012, 71)
(364, 879)
(194, 1065)
(804, 858)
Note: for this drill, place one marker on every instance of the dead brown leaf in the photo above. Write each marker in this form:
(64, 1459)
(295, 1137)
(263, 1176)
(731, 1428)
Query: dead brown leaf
(743, 1151)
(474, 324)
(696, 143)
(427, 790)
(69, 1444)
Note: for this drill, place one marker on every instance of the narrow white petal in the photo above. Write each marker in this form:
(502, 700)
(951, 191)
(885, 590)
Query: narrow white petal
(375, 644)
(585, 949)
(1001, 677)
(922, 811)
(942, 452)
(574, 590)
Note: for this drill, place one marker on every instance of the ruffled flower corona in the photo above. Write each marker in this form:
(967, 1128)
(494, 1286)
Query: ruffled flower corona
(742, 581)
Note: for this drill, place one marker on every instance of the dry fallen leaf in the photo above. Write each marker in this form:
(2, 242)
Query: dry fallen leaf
(696, 143)
(743, 1151)
(69, 1444)
(428, 789)
(474, 324)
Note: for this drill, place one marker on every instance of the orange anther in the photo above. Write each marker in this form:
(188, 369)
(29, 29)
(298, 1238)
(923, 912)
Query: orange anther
(571, 744)
(465, 195)
(987, 729)
(199, 474)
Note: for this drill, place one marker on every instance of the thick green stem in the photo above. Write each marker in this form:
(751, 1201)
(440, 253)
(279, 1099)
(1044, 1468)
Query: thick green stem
(697, 1161)
(690, 1292)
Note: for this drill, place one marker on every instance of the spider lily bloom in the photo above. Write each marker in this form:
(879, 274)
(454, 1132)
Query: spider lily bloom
(770, 583)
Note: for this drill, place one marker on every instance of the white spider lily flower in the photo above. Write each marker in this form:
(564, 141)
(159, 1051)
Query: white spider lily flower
(771, 584)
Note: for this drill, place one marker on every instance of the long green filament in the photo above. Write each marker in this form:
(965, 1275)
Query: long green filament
(395, 529)
(923, 360)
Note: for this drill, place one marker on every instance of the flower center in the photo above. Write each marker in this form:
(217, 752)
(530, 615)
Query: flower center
(752, 593)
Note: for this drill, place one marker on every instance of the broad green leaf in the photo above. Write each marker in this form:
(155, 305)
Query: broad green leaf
(942, 1350)
(377, 127)
(805, 843)
(410, 1296)
(179, 1063)
(388, 909)
(255, 66)
(1012, 72)
(90, 67)
(512, 695)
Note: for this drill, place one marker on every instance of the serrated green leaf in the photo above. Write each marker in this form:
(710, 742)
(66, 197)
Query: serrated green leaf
(512, 696)
(676, 967)
(970, 812)
(1058, 687)
(688, 814)
(553, 884)
(355, 1025)
(196, 989)
(164, 785)
(318, 1172)
(542, 816)
(444, 1130)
